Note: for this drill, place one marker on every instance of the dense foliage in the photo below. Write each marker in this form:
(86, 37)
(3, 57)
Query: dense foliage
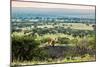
(23, 47)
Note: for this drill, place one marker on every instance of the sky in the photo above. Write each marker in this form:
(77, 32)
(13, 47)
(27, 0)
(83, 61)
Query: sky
(46, 5)
(48, 9)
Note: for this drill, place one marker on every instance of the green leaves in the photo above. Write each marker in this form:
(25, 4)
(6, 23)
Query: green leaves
(23, 46)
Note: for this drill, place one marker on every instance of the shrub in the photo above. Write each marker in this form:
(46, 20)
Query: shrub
(92, 45)
(86, 46)
(23, 47)
(40, 54)
(74, 41)
(63, 40)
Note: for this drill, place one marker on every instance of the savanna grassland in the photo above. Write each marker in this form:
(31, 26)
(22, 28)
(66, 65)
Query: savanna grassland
(50, 33)
(47, 43)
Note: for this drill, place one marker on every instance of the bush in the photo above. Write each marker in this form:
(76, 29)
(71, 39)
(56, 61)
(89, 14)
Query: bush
(92, 43)
(40, 54)
(74, 41)
(63, 40)
(44, 40)
(86, 46)
(82, 47)
(23, 47)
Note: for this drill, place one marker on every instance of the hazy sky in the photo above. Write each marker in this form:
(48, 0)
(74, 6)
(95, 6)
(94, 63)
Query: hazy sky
(46, 5)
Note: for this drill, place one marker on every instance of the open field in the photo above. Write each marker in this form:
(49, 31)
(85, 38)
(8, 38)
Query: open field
(79, 26)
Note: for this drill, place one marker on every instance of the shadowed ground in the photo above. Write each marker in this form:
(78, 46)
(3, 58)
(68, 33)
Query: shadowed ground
(58, 51)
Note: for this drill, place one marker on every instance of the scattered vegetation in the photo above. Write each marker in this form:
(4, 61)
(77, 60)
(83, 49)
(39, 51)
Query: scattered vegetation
(53, 45)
